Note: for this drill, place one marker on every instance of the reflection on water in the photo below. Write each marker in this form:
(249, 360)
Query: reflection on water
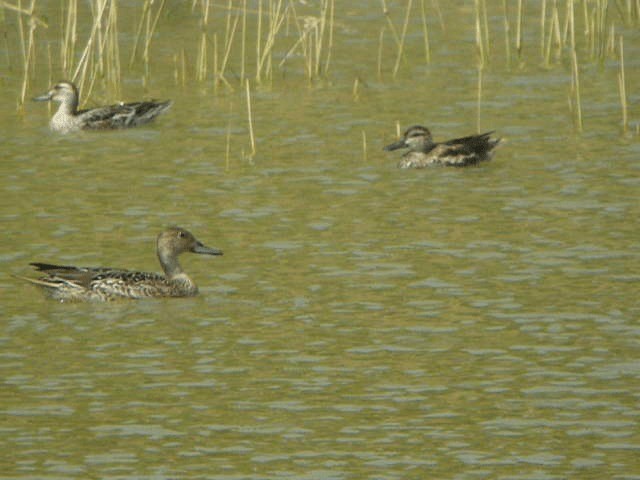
(365, 322)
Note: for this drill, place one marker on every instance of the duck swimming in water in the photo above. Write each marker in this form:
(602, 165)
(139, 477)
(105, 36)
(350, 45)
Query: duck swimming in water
(459, 152)
(122, 115)
(69, 283)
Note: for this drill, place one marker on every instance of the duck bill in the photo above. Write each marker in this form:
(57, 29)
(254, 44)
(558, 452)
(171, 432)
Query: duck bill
(395, 145)
(42, 98)
(204, 250)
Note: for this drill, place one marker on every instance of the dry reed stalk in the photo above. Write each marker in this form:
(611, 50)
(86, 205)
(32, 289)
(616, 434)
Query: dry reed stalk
(394, 32)
(519, 29)
(318, 37)
(425, 33)
(380, 45)
(572, 24)
(622, 89)
(28, 59)
(480, 46)
(485, 24)
(258, 42)
(575, 90)
(227, 52)
(149, 27)
(176, 74)
(79, 75)
(21, 35)
(216, 79)
(183, 65)
(479, 104)
(403, 35)
(364, 146)
(145, 12)
(243, 42)
(507, 32)
(70, 35)
(330, 40)
(227, 150)
(277, 14)
(311, 40)
(202, 57)
(151, 30)
(249, 114)
(355, 89)
(543, 19)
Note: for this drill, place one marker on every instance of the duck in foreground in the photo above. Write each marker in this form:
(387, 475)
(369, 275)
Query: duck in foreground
(122, 115)
(68, 283)
(460, 152)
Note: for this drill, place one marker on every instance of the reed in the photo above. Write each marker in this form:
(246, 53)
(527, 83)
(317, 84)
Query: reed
(28, 58)
(380, 46)
(425, 33)
(228, 41)
(392, 28)
(396, 67)
(574, 97)
(543, 23)
(70, 34)
(264, 50)
(100, 56)
(482, 46)
(250, 117)
(147, 26)
(227, 150)
(554, 33)
(331, 13)
(243, 43)
(479, 98)
(507, 32)
(315, 35)
(364, 146)
(622, 88)
(202, 57)
(519, 21)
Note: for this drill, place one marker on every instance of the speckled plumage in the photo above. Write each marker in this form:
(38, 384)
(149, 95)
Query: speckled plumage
(459, 152)
(122, 115)
(70, 283)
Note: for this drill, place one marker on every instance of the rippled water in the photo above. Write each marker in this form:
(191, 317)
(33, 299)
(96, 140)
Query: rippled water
(364, 322)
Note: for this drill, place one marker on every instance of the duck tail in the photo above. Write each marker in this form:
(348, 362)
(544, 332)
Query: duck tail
(38, 281)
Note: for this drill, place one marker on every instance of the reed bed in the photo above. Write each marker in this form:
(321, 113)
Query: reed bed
(224, 43)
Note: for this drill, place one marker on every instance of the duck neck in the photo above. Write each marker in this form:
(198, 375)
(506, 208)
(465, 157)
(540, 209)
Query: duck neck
(427, 146)
(68, 107)
(170, 265)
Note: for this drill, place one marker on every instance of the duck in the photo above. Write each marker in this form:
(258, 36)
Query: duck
(98, 284)
(121, 115)
(459, 152)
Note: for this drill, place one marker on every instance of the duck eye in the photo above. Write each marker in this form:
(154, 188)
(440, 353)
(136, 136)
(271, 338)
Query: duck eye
(181, 234)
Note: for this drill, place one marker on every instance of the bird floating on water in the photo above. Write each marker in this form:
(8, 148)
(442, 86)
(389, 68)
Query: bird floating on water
(459, 152)
(70, 283)
(121, 115)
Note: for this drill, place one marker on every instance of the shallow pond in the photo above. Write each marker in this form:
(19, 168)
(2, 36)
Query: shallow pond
(364, 321)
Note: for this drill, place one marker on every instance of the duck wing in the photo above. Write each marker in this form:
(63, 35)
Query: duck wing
(88, 276)
(121, 115)
(465, 150)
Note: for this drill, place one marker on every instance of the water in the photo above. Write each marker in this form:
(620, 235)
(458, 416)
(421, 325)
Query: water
(364, 322)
